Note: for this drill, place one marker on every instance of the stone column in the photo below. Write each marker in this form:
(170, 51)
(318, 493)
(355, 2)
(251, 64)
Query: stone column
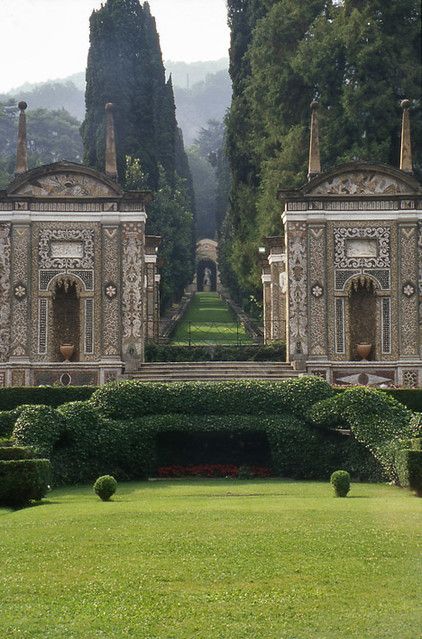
(157, 306)
(266, 287)
(277, 263)
(152, 243)
(133, 275)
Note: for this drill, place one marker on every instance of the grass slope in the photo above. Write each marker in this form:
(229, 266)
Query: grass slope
(213, 560)
(209, 320)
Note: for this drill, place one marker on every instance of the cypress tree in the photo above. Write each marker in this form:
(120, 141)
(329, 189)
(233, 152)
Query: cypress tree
(125, 66)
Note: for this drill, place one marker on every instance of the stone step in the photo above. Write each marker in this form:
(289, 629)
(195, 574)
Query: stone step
(213, 371)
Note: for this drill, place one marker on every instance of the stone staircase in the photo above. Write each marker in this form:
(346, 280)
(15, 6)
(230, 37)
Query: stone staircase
(212, 371)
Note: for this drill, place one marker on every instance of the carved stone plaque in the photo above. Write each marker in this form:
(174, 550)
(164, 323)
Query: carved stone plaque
(67, 249)
(361, 248)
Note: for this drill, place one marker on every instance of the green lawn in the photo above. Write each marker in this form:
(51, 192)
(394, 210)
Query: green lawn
(213, 560)
(209, 320)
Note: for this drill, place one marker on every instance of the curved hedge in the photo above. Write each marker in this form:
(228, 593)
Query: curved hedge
(129, 400)
(376, 419)
(116, 430)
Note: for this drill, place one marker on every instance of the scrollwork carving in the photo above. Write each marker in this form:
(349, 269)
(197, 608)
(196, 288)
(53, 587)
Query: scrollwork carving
(344, 261)
(67, 236)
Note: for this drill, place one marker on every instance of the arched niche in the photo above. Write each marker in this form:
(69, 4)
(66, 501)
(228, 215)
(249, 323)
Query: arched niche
(66, 316)
(363, 316)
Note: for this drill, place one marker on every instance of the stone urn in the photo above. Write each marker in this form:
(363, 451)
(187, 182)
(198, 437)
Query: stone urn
(67, 351)
(363, 350)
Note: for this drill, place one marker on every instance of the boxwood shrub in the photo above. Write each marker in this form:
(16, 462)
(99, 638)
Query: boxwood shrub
(23, 480)
(11, 398)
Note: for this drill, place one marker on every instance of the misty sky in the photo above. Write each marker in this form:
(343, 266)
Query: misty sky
(49, 39)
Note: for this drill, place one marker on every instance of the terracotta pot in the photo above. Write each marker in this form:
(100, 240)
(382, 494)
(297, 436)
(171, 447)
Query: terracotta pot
(67, 351)
(363, 350)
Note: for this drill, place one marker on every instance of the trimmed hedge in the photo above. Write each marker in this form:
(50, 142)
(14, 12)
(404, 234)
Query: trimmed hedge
(116, 431)
(165, 353)
(410, 397)
(15, 452)
(376, 419)
(129, 400)
(39, 427)
(85, 444)
(11, 398)
(23, 480)
(409, 466)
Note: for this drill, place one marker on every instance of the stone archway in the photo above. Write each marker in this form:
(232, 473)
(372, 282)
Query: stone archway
(207, 278)
(66, 317)
(362, 316)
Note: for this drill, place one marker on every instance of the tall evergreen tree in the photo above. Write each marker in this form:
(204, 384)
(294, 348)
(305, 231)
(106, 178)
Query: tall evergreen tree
(125, 66)
(358, 58)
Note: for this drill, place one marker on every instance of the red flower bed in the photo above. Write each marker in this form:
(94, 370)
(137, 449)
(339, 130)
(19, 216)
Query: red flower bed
(211, 470)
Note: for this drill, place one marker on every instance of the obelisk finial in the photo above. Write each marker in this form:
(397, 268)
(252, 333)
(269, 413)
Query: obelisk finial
(314, 155)
(22, 150)
(110, 155)
(406, 163)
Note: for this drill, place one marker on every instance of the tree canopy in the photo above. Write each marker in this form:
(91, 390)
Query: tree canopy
(359, 59)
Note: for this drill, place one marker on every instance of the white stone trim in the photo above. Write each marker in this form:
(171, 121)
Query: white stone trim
(352, 216)
(276, 258)
(266, 279)
(158, 278)
(112, 218)
(150, 259)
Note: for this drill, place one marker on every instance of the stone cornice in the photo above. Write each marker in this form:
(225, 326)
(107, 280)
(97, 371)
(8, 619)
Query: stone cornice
(112, 217)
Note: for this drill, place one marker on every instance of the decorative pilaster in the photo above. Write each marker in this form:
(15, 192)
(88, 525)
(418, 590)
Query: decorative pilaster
(20, 324)
(111, 294)
(317, 250)
(4, 291)
(297, 320)
(133, 292)
(408, 291)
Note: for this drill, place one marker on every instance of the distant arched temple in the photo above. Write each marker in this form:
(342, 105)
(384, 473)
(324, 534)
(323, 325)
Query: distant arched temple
(79, 288)
(207, 275)
(343, 282)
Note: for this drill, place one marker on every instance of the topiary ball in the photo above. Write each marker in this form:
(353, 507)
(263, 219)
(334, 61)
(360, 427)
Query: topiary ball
(340, 480)
(105, 487)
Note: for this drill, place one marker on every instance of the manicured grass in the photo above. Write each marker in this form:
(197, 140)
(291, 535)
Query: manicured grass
(210, 321)
(213, 560)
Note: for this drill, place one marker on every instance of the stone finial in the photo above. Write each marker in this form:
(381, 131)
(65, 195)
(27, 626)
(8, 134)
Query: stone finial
(314, 155)
(406, 142)
(22, 150)
(110, 153)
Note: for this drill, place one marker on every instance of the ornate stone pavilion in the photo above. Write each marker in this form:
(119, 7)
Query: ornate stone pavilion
(343, 284)
(78, 276)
